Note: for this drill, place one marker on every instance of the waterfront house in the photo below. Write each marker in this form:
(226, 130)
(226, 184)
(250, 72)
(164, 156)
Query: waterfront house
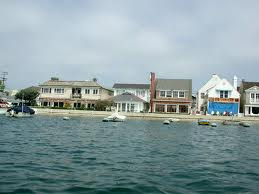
(128, 102)
(75, 94)
(218, 96)
(249, 103)
(170, 95)
(131, 97)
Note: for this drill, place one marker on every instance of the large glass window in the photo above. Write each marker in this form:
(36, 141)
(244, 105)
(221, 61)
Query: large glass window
(183, 108)
(171, 108)
(46, 90)
(132, 107)
(160, 108)
(59, 90)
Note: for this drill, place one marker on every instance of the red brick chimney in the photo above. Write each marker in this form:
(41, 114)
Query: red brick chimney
(152, 90)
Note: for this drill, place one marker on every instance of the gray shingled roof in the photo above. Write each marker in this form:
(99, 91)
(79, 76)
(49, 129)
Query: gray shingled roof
(71, 83)
(126, 97)
(247, 85)
(174, 84)
(131, 86)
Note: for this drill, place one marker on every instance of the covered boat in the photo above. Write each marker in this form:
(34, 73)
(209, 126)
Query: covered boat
(20, 111)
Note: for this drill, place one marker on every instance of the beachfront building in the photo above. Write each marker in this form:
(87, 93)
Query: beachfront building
(75, 94)
(131, 97)
(170, 95)
(128, 102)
(249, 103)
(218, 96)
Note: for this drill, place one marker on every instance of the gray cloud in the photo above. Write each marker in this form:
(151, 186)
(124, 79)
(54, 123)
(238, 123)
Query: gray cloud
(122, 41)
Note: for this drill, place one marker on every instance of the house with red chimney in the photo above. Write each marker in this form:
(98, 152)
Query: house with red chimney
(170, 95)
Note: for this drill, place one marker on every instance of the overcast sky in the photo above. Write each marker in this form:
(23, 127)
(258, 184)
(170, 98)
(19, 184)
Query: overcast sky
(123, 40)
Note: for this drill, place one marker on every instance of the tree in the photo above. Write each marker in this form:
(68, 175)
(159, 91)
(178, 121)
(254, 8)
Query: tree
(29, 95)
(101, 105)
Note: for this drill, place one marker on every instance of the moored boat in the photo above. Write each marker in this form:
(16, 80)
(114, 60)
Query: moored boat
(115, 117)
(4, 106)
(20, 111)
(203, 122)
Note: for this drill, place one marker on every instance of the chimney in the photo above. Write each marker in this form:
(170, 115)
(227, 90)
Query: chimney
(235, 82)
(152, 90)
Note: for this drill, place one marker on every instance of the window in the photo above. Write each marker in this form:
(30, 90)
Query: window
(257, 97)
(160, 108)
(140, 93)
(132, 107)
(95, 91)
(224, 94)
(202, 95)
(59, 90)
(171, 108)
(162, 93)
(87, 91)
(181, 94)
(46, 90)
(252, 97)
(175, 94)
(169, 94)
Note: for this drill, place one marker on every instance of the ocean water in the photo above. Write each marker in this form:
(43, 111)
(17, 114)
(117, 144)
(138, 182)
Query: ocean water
(46, 154)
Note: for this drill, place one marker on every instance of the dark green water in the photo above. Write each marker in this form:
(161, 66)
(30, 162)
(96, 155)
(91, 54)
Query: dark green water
(84, 155)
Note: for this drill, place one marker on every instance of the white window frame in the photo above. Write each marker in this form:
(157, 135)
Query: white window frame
(181, 96)
(87, 91)
(252, 100)
(174, 95)
(95, 91)
(160, 93)
(59, 91)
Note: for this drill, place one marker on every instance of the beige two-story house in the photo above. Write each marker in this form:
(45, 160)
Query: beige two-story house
(75, 94)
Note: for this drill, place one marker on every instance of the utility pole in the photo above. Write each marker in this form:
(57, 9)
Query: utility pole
(2, 81)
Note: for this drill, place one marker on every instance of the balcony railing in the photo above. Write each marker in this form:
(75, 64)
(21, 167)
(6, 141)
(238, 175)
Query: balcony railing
(75, 95)
(229, 100)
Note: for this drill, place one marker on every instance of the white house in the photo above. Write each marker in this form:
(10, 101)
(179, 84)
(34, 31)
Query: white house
(202, 93)
(219, 96)
(131, 97)
(249, 98)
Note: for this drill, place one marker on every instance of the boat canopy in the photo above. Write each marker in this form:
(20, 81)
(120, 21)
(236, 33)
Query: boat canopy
(24, 109)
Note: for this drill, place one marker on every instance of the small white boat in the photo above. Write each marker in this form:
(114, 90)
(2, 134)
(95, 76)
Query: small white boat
(166, 122)
(173, 120)
(115, 117)
(66, 118)
(213, 124)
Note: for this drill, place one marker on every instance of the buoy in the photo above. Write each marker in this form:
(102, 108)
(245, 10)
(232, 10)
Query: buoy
(166, 122)
(244, 124)
(66, 118)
